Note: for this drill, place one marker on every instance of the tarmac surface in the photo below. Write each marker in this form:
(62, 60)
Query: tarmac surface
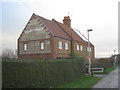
(109, 81)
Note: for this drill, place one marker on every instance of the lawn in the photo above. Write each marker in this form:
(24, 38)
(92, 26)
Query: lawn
(107, 70)
(82, 82)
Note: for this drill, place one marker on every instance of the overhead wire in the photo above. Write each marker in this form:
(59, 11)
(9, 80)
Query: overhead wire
(80, 33)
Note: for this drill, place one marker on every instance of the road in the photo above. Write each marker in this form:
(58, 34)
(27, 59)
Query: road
(119, 78)
(0, 73)
(110, 80)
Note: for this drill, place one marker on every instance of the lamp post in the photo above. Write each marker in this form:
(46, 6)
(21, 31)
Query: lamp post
(89, 59)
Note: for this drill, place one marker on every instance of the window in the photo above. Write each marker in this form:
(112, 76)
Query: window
(60, 45)
(77, 47)
(25, 47)
(66, 46)
(88, 49)
(81, 48)
(42, 45)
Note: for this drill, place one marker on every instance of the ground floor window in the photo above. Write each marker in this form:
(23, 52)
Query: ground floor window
(42, 46)
(77, 47)
(88, 49)
(66, 46)
(25, 47)
(81, 48)
(60, 45)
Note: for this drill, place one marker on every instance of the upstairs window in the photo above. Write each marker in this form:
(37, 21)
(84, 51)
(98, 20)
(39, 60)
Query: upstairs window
(66, 46)
(42, 45)
(25, 47)
(60, 45)
(78, 47)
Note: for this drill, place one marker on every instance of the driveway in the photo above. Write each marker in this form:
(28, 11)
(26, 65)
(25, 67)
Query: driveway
(109, 81)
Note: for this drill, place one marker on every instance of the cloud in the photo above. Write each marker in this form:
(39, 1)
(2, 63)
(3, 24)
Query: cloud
(9, 40)
(101, 16)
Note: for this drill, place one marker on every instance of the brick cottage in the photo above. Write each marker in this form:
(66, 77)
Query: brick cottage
(50, 39)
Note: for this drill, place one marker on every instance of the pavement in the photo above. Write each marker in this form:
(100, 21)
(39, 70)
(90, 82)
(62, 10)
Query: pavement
(109, 81)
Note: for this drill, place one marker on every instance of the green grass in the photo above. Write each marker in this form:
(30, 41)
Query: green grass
(107, 70)
(99, 72)
(82, 82)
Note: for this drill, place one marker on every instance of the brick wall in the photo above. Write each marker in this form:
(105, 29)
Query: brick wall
(84, 52)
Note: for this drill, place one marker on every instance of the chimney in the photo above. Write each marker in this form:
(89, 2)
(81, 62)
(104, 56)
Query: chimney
(67, 21)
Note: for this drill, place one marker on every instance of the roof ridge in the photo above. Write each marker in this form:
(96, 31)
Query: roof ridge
(41, 17)
(73, 32)
(61, 27)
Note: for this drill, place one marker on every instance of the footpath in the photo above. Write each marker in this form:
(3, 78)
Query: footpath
(108, 81)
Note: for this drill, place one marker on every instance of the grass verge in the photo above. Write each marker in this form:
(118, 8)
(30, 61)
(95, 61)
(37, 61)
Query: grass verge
(107, 70)
(82, 82)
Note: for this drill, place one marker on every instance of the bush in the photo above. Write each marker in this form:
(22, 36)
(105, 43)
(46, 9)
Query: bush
(103, 62)
(74, 55)
(40, 73)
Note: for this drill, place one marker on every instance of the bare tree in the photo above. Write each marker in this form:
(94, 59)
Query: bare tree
(7, 53)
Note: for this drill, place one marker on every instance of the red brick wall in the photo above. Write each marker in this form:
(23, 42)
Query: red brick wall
(84, 52)
(56, 52)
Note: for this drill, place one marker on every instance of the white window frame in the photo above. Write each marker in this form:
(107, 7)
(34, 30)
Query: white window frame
(25, 46)
(42, 45)
(90, 49)
(78, 48)
(66, 46)
(81, 48)
(87, 49)
(60, 45)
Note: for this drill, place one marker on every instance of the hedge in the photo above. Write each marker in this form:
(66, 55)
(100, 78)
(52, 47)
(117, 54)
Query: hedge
(103, 62)
(40, 73)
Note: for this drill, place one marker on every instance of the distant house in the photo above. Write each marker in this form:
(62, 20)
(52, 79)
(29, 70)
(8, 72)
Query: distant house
(43, 38)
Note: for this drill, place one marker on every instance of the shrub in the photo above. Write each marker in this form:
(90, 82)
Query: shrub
(40, 73)
(74, 55)
(105, 63)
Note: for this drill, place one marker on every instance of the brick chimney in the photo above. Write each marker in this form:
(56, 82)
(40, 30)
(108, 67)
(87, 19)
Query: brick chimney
(67, 21)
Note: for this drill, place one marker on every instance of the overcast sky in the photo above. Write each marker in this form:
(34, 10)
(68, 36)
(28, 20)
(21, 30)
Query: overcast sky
(99, 15)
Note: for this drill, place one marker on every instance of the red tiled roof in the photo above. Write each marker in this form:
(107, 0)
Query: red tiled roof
(70, 32)
(60, 30)
(54, 28)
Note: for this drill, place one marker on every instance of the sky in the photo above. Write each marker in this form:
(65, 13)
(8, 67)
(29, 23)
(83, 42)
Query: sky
(99, 15)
